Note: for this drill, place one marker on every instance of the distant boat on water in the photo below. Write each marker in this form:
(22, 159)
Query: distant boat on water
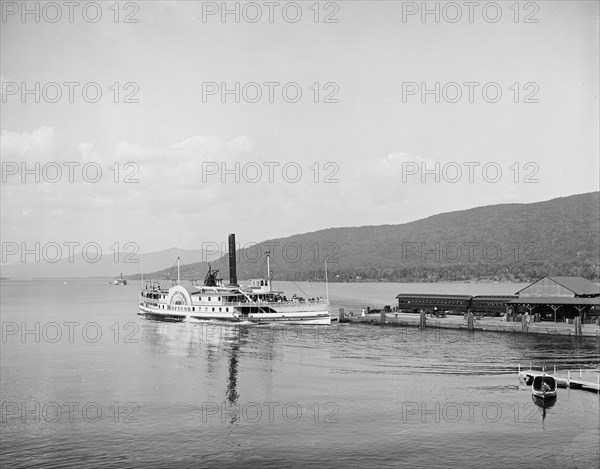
(120, 280)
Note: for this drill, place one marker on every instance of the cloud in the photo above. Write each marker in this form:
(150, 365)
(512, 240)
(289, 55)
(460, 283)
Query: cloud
(240, 145)
(86, 149)
(140, 187)
(396, 164)
(200, 146)
(40, 143)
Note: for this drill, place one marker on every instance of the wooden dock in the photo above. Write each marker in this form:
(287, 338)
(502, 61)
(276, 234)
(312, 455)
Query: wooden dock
(566, 381)
(468, 324)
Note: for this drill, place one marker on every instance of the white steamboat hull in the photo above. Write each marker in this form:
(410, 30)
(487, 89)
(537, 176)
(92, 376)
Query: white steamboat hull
(287, 316)
(313, 317)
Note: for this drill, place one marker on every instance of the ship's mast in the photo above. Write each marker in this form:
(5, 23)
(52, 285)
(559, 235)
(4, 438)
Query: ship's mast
(178, 276)
(268, 253)
(326, 283)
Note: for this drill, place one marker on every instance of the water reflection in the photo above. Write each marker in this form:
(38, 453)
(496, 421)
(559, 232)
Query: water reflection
(213, 343)
(231, 393)
(544, 404)
(187, 339)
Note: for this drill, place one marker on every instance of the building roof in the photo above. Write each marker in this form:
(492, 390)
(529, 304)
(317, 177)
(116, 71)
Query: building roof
(555, 300)
(578, 285)
(433, 296)
(494, 297)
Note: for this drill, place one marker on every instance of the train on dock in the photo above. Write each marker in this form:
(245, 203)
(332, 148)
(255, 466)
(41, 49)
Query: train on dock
(483, 305)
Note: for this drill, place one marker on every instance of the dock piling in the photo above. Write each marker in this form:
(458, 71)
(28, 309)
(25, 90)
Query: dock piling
(470, 322)
(577, 327)
(568, 378)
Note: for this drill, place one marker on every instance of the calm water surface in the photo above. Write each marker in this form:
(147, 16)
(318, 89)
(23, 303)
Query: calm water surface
(87, 383)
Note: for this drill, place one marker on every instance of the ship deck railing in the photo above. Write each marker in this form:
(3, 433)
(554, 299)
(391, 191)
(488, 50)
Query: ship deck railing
(154, 302)
(267, 303)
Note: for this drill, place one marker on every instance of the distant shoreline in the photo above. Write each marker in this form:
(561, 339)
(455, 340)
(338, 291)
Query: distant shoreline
(363, 281)
(56, 278)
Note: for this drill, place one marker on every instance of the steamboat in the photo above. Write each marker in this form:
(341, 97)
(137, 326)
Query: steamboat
(255, 303)
(120, 280)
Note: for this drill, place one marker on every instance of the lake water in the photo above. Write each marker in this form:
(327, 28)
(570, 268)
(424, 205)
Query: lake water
(88, 383)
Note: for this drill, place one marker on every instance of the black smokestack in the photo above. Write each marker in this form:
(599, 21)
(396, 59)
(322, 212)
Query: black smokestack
(232, 271)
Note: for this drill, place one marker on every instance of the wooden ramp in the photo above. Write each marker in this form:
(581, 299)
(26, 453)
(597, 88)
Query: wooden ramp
(565, 381)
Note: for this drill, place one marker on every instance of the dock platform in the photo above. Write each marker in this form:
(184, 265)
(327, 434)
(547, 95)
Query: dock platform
(585, 383)
(458, 322)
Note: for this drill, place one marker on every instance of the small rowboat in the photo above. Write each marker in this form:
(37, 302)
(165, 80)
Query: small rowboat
(544, 386)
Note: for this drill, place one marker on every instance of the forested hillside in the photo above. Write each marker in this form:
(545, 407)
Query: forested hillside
(516, 242)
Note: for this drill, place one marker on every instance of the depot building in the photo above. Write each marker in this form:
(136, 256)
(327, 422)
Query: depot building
(560, 299)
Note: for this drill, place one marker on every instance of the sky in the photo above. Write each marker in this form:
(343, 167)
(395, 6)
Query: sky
(168, 124)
